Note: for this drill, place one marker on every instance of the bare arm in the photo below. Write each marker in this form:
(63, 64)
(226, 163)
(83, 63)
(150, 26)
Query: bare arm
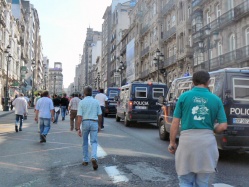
(220, 127)
(52, 115)
(78, 123)
(36, 115)
(173, 133)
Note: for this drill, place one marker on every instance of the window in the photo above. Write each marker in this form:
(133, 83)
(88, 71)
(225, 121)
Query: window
(230, 4)
(140, 92)
(211, 84)
(157, 92)
(190, 40)
(189, 11)
(168, 25)
(113, 93)
(154, 8)
(232, 42)
(219, 49)
(173, 20)
(241, 89)
(208, 17)
(218, 10)
(247, 36)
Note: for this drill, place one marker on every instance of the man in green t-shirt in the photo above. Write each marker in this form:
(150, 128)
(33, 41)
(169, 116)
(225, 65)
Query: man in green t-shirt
(197, 153)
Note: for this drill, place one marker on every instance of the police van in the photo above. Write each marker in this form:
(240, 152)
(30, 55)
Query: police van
(232, 86)
(111, 93)
(137, 102)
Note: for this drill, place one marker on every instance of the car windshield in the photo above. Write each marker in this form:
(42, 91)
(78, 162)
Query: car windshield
(113, 93)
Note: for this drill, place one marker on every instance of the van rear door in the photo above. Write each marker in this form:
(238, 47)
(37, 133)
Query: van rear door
(237, 109)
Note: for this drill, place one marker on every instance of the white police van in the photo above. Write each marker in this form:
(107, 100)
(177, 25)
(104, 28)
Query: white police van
(137, 102)
(232, 86)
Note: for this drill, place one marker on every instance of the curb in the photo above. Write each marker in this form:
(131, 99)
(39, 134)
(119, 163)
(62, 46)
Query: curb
(7, 113)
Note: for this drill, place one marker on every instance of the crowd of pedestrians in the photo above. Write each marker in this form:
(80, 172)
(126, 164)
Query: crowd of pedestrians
(194, 164)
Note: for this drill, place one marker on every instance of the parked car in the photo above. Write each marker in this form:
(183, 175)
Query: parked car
(137, 102)
(232, 86)
(111, 92)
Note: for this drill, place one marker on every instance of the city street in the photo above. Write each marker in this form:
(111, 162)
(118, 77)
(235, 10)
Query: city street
(128, 156)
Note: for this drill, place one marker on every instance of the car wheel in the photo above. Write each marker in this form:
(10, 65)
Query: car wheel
(117, 118)
(126, 121)
(163, 134)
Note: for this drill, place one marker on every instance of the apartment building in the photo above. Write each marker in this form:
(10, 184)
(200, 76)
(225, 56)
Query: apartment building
(55, 85)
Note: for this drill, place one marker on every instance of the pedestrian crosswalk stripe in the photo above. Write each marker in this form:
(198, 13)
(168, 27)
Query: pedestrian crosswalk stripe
(115, 174)
(221, 185)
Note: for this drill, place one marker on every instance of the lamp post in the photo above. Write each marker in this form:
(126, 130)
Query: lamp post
(6, 98)
(54, 83)
(33, 83)
(159, 57)
(121, 69)
(209, 47)
(45, 81)
(98, 78)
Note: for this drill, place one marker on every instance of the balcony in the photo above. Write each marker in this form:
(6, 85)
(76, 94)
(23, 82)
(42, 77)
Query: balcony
(112, 72)
(123, 50)
(197, 3)
(241, 10)
(2, 20)
(227, 60)
(144, 74)
(169, 61)
(168, 7)
(171, 32)
(145, 52)
(145, 29)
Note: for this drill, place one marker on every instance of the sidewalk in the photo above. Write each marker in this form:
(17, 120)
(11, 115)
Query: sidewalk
(5, 113)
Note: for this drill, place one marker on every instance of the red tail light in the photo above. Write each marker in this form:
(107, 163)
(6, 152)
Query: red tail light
(130, 105)
(224, 140)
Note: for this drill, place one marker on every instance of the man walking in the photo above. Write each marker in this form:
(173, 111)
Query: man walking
(56, 102)
(102, 98)
(45, 110)
(197, 154)
(73, 108)
(21, 109)
(64, 106)
(89, 114)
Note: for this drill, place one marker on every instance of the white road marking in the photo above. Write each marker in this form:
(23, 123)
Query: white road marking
(115, 175)
(221, 185)
(100, 151)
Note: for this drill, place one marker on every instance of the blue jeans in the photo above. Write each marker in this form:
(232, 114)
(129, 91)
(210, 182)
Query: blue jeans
(17, 120)
(89, 127)
(44, 126)
(63, 111)
(194, 180)
(56, 116)
(103, 115)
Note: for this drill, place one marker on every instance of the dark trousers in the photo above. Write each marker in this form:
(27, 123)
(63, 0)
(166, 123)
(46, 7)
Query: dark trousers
(103, 115)
(19, 117)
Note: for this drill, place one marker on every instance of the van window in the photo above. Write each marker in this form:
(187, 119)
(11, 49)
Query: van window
(211, 84)
(241, 89)
(183, 87)
(141, 92)
(113, 93)
(157, 92)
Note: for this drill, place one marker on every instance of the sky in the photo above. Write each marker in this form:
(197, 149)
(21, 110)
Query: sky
(63, 25)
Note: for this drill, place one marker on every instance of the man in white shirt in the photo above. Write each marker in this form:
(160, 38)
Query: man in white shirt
(21, 109)
(102, 98)
(73, 108)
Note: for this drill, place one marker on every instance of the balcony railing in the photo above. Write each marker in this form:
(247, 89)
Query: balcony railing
(228, 59)
(169, 33)
(145, 29)
(168, 7)
(225, 19)
(196, 3)
(169, 61)
(145, 51)
(144, 74)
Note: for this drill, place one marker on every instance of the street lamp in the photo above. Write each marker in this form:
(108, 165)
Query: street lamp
(121, 69)
(159, 57)
(33, 83)
(98, 78)
(6, 98)
(208, 47)
(54, 83)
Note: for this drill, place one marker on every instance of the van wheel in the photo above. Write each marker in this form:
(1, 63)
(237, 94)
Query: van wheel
(126, 121)
(117, 118)
(163, 134)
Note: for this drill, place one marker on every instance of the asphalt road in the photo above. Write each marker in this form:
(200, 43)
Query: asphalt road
(128, 156)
